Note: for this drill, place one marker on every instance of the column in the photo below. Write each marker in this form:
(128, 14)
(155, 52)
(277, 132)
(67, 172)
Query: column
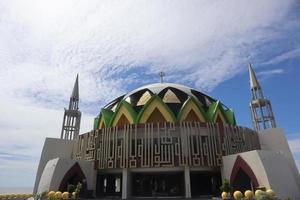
(124, 183)
(187, 182)
(94, 182)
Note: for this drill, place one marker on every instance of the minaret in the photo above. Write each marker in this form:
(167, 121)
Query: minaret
(261, 109)
(72, 116)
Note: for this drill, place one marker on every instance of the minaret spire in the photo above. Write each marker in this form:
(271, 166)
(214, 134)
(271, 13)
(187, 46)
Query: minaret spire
(261, 109)
(161, 74)
(72, 116)
(253, 80)
(75, 93)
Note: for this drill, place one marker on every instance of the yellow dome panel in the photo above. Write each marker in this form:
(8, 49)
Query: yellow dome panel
(170, 97)
(155, 104)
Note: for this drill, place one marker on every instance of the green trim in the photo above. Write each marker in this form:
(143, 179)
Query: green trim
(96, 123)
(107, 115)
(154, 97)
(212, 111)
(128, 107)
(198, 106)
(230, 116)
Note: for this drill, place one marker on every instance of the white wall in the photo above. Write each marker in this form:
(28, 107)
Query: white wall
(53, 148)
(272, 170)
(273, 139)
(56, 169)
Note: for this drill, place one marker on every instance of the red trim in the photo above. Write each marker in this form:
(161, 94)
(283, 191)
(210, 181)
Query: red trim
(240, 163)
(74, 171)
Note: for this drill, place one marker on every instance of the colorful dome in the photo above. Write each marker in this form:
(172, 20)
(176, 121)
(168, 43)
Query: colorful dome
(163, 102)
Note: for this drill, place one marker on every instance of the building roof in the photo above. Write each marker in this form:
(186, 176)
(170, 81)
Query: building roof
(173, 98)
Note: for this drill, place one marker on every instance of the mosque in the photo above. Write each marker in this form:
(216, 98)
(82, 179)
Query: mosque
(168, 140)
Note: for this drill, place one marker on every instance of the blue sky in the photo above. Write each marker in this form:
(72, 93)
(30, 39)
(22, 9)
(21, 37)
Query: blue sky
(116, 46)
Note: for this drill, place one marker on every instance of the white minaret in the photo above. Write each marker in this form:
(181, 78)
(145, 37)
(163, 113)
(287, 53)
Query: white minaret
(261, 109)
(72, 116)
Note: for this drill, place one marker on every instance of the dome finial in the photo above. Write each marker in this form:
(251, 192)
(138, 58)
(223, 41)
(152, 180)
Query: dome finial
(161, 74)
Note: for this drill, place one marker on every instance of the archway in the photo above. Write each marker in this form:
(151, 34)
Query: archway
(242, 181)
(73, 177)
(242, 177)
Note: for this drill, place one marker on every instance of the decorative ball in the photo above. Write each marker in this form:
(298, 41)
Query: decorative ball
(51, 194)
(224, 195)
(249, 194)
(74, 195)
(258, 193)
(270, 193)
(237, 195)
(65, 195)
(58, 195)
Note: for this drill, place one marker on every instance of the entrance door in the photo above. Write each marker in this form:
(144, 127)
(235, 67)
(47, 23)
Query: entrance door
(242, 182)
(157, 184)
(109, 185)
(205, 184)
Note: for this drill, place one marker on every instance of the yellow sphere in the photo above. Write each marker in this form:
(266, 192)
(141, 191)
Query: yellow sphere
(65, 195)
(51, 194)
(237, 195)
(270, 193)
(224, 195)
(73, 194)
(258, 193)
(249, 194)
(58, 195)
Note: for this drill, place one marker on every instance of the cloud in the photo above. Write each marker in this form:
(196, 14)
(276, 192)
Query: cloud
(284, 56)
(110, 43)
(115, 46)
(22, 138)
(269, 73)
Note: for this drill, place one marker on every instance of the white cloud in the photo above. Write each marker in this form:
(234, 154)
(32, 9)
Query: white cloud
(114, 45)
(269, 73)
(284, 56)
(45, 43)
(23, 129)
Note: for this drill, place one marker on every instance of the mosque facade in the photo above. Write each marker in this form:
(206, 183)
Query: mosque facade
(168, 140)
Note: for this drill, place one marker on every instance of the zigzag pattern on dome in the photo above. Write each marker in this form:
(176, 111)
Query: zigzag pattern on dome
(163, 102)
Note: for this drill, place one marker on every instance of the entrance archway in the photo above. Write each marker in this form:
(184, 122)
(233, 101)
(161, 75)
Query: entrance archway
(242, 177)
(73, 177)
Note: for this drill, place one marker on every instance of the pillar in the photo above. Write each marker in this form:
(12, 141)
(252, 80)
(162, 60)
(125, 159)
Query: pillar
(124, 183)
(94, 182)
(187, 182)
